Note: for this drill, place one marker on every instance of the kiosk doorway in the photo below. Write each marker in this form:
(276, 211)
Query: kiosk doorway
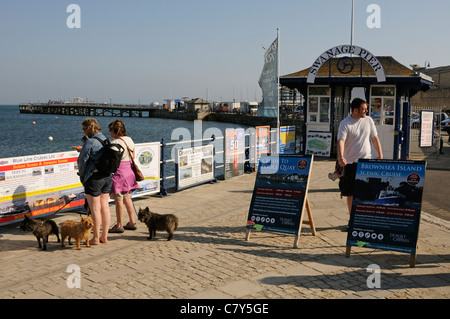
(381, 105)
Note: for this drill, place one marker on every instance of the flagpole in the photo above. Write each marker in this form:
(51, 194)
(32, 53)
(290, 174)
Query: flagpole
(353, 18)
(278, 91)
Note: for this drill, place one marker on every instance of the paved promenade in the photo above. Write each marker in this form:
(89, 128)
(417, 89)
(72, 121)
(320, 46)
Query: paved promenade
(209, 257)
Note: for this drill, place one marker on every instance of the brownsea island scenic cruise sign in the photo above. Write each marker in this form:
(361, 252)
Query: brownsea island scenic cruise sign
(386, 205)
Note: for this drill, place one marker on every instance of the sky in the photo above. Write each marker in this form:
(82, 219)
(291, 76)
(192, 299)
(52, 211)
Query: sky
(144, 51)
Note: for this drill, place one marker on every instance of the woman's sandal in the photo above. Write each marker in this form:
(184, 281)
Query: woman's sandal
(116, 230)
(130, 226)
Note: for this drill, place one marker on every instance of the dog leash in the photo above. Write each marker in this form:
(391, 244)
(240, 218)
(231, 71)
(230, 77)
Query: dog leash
(135, 211)
(47, 219)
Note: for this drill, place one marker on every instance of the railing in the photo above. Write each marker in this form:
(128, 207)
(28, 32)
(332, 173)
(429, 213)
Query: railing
(249, 149)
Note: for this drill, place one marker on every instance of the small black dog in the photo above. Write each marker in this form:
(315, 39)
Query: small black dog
(41, 229)
(156, 222)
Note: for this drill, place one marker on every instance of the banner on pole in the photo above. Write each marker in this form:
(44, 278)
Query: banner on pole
(268, 82)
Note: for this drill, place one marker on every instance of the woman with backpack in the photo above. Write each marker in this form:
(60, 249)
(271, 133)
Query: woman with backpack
(97, 185)
(124, 180)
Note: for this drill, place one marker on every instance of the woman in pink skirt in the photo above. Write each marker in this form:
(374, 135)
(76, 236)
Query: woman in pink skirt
(123, 181)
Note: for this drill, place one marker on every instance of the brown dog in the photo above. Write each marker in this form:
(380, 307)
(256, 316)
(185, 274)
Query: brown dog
(156, 222)
(41, 229)
(78, 231)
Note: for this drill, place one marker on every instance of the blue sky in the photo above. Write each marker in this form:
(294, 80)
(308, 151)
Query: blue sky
(155, 49)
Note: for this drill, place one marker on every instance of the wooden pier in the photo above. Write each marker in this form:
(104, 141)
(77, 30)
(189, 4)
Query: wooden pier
(92, 110)
(89, 109)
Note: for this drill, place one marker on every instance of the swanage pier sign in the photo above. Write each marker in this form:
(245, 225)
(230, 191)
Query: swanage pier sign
(347, 49)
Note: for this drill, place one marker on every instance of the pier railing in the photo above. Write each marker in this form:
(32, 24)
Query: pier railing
(168, 163)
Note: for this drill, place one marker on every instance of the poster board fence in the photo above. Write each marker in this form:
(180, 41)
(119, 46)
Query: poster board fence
(42, 184)
(386, 206)
(280, 196)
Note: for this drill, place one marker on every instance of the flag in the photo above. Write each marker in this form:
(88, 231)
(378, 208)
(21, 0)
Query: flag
(268, 81)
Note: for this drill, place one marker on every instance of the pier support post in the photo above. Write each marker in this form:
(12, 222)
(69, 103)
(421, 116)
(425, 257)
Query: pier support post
(163, 190)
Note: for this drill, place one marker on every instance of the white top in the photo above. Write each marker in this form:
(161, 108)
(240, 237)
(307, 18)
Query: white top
(357, 134)
(129, 142)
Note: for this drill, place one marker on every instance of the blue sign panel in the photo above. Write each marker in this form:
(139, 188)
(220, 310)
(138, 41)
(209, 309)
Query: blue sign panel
(279, 195)
(386, 205)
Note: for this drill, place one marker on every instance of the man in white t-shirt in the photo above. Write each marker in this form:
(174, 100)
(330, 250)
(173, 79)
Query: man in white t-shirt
(356, 132)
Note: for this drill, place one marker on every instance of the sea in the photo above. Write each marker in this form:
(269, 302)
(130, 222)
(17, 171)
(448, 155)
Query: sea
(30, 134)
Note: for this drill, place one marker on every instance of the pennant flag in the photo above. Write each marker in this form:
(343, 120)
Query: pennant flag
(268, 81)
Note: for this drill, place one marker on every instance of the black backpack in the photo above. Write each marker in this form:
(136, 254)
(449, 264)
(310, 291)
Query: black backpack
(112, 155)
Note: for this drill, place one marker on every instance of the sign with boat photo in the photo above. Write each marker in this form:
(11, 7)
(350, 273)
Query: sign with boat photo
(386, 205)
(39, 185)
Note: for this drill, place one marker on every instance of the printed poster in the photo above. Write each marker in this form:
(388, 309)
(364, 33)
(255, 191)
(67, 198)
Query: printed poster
(262, 142)
(287, 140)
(39, 185)
(386, 205)
(318, 143)
(426, 129)
(279, 194)
(147, 158)
(234, 152)
(195, 166)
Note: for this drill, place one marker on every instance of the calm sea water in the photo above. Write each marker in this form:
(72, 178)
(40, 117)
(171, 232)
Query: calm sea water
(21, 137)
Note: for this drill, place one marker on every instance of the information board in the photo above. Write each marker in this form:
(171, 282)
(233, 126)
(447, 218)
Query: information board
(147, 158)
(234, 152)
(280, 194)
(318, 143)
(262, 142)
(39, 185)
(194, 166)
(287, 140)
(386, 205)
(426, 129)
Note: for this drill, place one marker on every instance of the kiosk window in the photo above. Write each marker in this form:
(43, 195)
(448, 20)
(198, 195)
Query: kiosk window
(319, 104)
(382, 104)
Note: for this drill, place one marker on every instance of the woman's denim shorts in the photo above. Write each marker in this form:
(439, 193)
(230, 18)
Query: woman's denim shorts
(98, 184)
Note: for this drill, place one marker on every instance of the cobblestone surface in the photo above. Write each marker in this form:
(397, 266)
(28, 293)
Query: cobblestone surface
(209, 257)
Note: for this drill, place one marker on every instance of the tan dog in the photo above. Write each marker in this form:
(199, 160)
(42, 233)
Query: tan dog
(78, 231)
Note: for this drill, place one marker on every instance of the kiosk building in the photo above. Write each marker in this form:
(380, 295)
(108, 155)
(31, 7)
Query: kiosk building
(349, 71)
